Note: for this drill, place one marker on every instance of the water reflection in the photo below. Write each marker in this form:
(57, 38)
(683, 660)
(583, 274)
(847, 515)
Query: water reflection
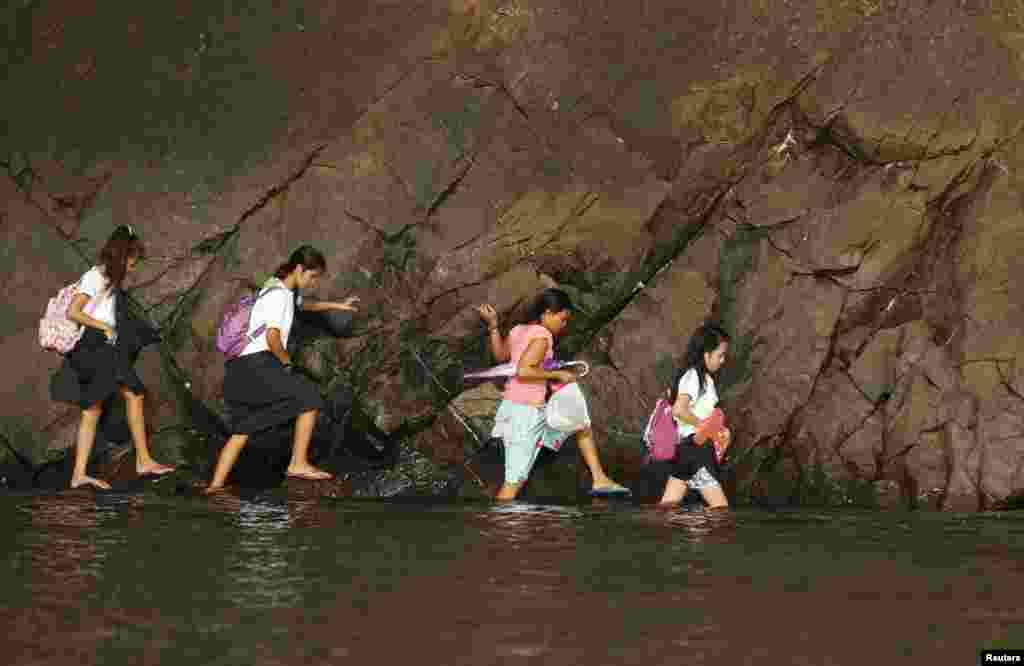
(519, 522)
(260, 568)
(69, 543)
(262, 517)
(702, 528)
(265, 580)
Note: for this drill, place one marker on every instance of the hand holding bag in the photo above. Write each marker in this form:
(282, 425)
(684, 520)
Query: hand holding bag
(566, 411)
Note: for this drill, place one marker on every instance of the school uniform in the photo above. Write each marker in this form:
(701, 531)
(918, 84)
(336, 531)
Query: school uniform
(259, 391)
(101, 368)
(694, 464)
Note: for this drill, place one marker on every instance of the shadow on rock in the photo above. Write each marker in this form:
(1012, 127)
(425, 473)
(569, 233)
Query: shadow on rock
(345, 442)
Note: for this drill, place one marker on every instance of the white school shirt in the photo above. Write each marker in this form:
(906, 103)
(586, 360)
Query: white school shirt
(273, 309)
(101, 298)
(702, 406)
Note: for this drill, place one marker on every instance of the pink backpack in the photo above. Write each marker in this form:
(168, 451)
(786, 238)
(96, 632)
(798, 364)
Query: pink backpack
(57, 332)
(661, 435)
(233, 334)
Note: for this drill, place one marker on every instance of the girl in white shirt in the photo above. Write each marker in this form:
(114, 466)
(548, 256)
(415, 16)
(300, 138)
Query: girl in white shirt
(693, 397)
(104, 370)
(260, 390)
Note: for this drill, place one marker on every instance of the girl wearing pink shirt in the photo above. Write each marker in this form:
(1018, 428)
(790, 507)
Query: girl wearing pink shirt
(520, 420)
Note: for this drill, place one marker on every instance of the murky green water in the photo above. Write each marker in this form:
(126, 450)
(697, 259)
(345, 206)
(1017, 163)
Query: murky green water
(142, 579)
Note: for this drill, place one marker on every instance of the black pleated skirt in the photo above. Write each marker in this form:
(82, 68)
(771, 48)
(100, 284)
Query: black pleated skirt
(101, 368)
(260, 394)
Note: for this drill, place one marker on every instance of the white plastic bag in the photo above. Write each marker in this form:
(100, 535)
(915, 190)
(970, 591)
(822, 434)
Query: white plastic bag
(567, 409)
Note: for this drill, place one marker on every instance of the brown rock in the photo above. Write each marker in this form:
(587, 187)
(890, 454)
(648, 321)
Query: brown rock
(859, 227)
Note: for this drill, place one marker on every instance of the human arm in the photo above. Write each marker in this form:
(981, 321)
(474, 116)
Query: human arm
(269, 316)
(682, 411)
(499, 346)
(349, 304)
(275, 346)
(77, 314)
(531, 365)
(686, 390)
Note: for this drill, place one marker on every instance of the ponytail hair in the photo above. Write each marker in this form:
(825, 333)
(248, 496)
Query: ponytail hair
(704, 340)
(123, 244)
(306, 256)
(554, 300)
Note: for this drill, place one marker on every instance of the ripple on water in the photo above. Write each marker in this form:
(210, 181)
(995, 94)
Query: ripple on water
(264, 580)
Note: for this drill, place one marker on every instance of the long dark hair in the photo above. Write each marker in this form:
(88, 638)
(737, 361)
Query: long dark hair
(554, 300)
(307, 256)
(122, 245)
(704, 340)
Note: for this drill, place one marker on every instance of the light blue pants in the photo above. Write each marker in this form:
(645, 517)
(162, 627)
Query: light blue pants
(524, 430)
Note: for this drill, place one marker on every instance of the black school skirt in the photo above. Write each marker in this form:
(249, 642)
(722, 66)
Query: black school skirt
(260, 394)
(688, 461)
(101, 368)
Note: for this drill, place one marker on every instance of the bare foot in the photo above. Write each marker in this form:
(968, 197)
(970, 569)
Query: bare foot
(213, 490)
(308, 473)
(89, 481)
(153, 468)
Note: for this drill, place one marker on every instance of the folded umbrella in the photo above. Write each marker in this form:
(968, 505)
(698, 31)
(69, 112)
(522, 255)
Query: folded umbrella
(509, 369)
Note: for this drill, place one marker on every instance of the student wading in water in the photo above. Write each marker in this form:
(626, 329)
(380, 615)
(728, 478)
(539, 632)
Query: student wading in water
(520, 420)
(102, 367)
(260, 390)
(694, 397)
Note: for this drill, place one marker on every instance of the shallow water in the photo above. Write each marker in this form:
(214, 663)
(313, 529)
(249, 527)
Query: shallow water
(126, 578)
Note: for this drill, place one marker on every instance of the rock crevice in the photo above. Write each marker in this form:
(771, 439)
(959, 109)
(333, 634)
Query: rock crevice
(842, 197)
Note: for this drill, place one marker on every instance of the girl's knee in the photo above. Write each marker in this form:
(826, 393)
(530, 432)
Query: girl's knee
(715, 497)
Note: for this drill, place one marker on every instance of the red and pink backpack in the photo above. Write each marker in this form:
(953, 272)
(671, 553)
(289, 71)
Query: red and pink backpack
(661, 436)
(57, 332)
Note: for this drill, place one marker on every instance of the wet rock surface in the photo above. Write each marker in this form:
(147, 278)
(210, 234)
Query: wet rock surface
(836, 182)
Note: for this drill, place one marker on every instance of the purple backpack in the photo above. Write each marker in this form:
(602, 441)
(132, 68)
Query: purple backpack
(233, 334)
(661, 435)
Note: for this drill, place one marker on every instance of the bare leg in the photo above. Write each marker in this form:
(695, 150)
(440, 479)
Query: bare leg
(300, 465)
(228, 456)
(144, 463)
(86, 437)
(714, 497)
(508, 492)
(600, 480)
(675, 491)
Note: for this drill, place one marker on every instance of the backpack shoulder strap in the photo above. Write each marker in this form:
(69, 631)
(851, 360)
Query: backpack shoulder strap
(263, 292)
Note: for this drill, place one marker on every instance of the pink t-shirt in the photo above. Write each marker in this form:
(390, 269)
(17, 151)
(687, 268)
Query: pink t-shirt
(519, 338)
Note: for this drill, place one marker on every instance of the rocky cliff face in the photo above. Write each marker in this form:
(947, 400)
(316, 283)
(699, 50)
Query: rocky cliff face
(838, 181)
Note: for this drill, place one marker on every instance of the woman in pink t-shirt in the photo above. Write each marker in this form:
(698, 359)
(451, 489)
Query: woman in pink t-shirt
(520, 421)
